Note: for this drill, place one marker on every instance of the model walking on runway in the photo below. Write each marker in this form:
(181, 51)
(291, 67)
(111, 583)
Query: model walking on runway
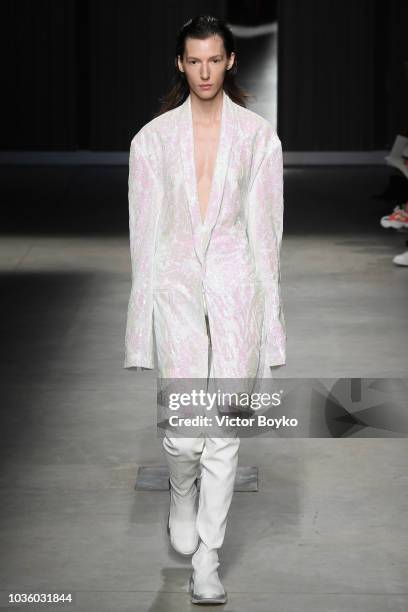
(205, 220)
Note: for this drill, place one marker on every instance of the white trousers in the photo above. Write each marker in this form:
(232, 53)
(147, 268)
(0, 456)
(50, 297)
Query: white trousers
(216, 459)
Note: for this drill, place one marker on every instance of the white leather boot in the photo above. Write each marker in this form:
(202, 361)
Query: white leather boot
(219, 461)
(205, 584)
(183, 459)
(181, 523)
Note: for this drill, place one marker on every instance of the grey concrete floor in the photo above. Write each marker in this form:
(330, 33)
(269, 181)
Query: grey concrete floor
(327, 529)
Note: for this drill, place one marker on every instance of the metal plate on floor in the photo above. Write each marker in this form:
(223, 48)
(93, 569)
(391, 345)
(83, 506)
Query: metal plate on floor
(156, 478)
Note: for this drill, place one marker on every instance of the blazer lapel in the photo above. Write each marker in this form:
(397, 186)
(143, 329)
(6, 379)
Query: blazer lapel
(202, 231)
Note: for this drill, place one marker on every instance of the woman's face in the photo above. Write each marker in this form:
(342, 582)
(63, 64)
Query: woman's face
(204, 63)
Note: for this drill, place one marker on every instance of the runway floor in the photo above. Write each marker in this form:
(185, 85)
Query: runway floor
(327, 529)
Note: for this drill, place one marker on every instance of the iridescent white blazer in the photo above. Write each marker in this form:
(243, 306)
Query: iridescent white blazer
(230, 264)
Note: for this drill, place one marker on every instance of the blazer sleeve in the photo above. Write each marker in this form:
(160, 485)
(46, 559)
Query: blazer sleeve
(144, 196)
(265, 224)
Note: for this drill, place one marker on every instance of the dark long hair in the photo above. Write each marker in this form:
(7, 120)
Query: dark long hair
(202, 27)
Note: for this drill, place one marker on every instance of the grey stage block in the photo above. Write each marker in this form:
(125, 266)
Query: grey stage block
(156, 478)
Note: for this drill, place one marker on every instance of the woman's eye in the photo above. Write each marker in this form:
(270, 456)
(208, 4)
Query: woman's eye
(217, 61)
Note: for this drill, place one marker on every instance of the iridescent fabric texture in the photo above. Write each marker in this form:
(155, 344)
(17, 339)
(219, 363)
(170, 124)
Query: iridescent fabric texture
(230, 263)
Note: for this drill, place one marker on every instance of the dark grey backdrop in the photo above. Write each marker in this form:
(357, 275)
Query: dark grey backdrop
(87, 74)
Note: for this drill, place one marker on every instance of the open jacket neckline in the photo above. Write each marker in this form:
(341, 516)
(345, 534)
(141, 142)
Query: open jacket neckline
(202, 230)
(195, 180)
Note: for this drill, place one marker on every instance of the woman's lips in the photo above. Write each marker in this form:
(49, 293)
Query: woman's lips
(205, 86)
